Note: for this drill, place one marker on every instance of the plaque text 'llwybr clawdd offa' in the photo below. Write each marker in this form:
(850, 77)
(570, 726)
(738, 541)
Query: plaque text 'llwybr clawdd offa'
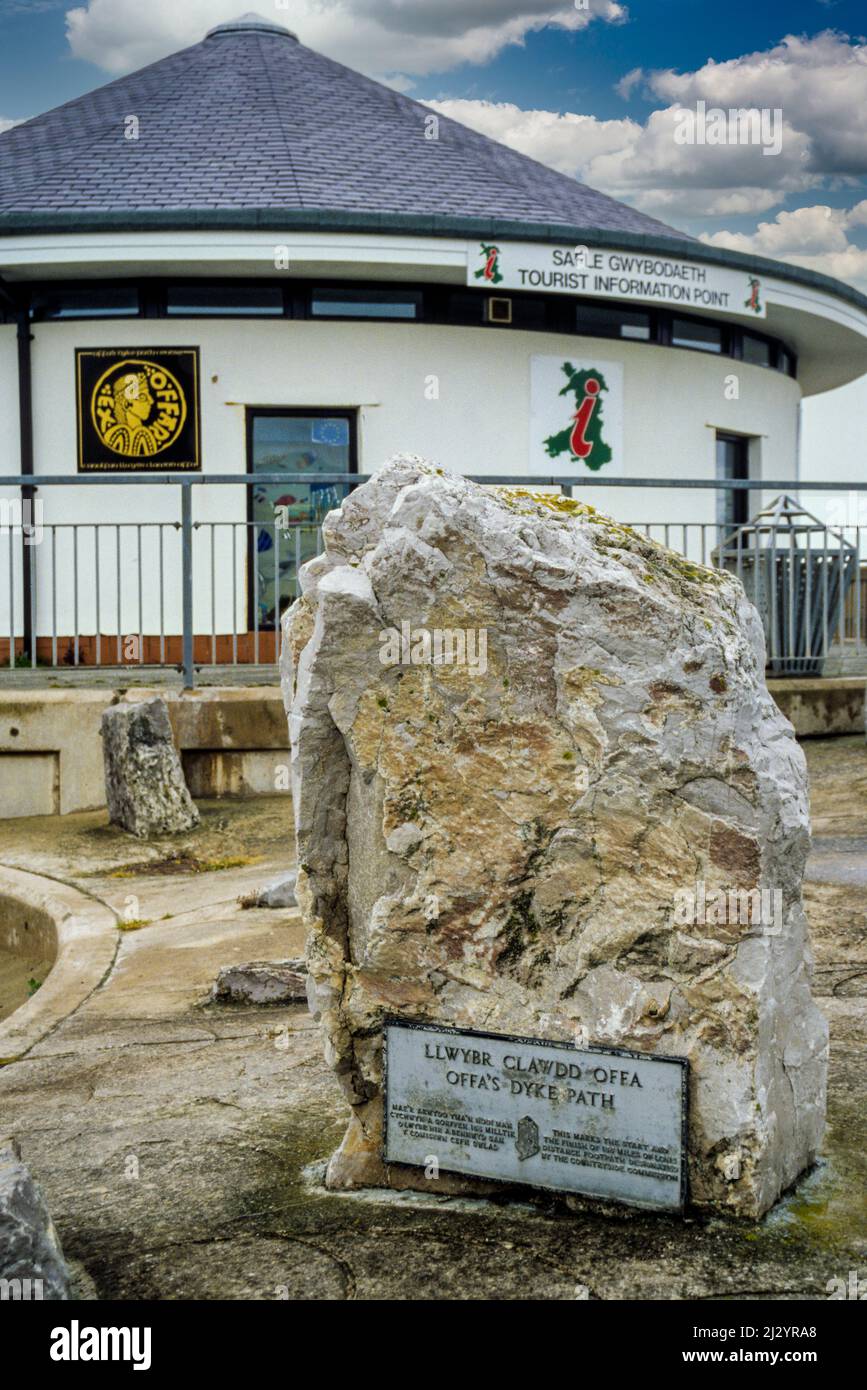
(602, 1122)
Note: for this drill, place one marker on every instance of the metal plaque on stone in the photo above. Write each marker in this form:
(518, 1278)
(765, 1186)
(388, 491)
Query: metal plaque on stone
(600, 1122)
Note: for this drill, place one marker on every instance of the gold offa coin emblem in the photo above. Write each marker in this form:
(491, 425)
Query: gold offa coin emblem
(138, 408)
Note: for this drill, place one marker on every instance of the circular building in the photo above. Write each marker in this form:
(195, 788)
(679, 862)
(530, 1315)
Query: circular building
(247, 260)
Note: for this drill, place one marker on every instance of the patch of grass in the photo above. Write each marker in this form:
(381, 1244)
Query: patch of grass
(183, 863)
(134, 923)
(33, 986)
(237, 861)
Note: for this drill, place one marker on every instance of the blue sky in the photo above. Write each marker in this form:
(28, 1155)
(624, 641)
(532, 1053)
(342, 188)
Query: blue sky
(580, 71)
(548, 79)
(557, 70)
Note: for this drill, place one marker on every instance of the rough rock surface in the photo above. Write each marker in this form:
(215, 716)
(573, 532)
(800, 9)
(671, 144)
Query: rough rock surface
(31, 1260)
(502, 850)
(144, 781)
(262, 982)
(280, 892)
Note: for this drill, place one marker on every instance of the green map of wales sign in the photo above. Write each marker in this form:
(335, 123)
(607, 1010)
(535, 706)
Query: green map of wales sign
(576, 416)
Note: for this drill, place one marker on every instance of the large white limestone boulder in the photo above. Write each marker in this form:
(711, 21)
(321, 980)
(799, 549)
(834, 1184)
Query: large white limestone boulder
(508, 844)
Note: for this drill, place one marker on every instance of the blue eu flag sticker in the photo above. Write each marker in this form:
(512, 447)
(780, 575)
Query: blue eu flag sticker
(334, 432)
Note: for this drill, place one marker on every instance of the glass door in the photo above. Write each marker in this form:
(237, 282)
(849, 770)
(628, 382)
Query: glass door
(732, 461)
(286, 520)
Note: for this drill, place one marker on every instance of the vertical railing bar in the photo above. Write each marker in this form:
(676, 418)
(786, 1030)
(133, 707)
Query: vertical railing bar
(858, 590)
(255, 553)
(30, 560)
(276, 586)
(9, 533)
(187, 582)
(793, 578)
(234, 535)
(53, 595)
(808, 606)
(775, 636)
(845, 620)
(75, 641)
(140, 599)
(118, 603)
(161, 527)
(825, 594)
(96, 565)
(213, 596)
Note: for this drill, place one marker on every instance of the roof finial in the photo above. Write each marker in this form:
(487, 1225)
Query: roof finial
(251, 23)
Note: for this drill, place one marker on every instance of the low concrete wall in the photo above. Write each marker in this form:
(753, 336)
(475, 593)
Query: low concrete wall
(822, 705)
(85, 933)
(234, 741)
(28, 949)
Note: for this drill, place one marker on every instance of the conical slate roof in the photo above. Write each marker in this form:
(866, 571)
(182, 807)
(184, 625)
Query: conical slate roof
(252, 121)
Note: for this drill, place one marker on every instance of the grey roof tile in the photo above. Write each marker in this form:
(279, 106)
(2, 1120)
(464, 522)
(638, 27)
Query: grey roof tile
(250, 118)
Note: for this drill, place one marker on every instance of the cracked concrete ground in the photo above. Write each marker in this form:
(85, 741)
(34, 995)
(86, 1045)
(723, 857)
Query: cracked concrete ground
(180, 1144)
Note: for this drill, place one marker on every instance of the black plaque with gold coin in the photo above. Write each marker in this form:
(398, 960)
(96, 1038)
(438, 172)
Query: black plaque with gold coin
(138, 410)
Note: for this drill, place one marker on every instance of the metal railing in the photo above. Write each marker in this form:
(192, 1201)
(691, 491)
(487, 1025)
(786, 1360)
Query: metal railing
(188, 591)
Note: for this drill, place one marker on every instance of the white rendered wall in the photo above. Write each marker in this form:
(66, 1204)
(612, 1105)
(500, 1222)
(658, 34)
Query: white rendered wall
(674, 401)
(834, 445)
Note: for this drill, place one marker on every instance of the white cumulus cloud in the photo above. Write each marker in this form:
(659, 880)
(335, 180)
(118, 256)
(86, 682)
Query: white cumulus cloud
(567, 142)
(376, 36)
(819, 84)
(816, 237)
(642, 163)
(813, 90)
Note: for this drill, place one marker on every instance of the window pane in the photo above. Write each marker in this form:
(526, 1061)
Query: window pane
(365, 304)
(703, 336)
(225, 301)
(95, 302)
(287, 518)
(598, 322)
(757, 351)
(466, 307)
(529, 313)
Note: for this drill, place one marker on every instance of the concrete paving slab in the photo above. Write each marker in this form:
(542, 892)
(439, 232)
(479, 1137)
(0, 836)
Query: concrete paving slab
(180, 1145)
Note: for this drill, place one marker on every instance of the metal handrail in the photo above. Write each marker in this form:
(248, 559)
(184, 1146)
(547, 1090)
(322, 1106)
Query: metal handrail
(37, 480)
(694, 540)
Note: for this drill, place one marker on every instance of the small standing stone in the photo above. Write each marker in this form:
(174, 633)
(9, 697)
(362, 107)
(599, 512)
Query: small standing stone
(31, 1259)
(144, 781)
